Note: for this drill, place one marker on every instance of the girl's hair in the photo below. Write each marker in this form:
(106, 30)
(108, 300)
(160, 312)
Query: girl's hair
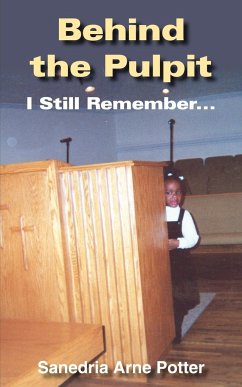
(171, 175)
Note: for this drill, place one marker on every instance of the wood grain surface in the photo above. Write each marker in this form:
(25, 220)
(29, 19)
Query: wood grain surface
(116, 241)
(33, 273)
(24, 344)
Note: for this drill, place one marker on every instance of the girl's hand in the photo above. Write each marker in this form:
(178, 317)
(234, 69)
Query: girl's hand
(173, 244)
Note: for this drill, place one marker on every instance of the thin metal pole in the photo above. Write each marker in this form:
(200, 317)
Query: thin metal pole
(172, 123)
(67, 151)
(67, 142)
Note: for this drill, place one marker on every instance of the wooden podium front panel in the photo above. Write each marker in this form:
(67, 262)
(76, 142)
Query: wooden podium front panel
(116, 243)
(33, 281)
(102, 246)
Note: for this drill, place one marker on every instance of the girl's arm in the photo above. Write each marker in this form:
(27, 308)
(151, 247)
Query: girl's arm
(189, 232)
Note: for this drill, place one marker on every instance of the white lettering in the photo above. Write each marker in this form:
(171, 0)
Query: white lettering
(180, 368)
(43, 367)
(29, 103)
(95, 103)
(46, 103)
(132, 368)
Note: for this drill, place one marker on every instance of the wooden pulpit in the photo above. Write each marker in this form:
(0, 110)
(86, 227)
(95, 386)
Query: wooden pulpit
(33, 285)
(89, 244)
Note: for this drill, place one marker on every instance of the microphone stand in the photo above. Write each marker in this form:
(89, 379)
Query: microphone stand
(171, 122)
(67, 142)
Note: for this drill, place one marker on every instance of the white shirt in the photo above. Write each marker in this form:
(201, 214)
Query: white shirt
(189, 232)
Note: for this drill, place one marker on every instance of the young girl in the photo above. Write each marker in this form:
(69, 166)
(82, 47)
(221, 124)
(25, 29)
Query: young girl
(182, 236)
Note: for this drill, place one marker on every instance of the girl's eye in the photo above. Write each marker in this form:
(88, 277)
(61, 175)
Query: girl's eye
(170, 193)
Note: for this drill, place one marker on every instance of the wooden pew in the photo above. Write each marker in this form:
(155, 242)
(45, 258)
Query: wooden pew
(218, 218)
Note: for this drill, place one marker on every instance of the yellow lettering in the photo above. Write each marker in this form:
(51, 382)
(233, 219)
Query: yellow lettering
(114, 62)
(69, 29)
(178, 70)
(93, 32)
(178, 28)
(80, 69)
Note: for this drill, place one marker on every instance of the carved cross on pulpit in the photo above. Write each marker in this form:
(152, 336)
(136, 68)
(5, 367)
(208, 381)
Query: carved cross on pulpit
(2, 207)
(22, 228)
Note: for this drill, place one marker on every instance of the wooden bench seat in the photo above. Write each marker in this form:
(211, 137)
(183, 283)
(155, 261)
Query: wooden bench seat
(218, 249)
(218, 218)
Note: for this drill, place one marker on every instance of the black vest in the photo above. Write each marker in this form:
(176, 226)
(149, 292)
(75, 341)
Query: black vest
(185, 292)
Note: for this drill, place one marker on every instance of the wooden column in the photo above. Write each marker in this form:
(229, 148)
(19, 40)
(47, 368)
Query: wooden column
(116, 244)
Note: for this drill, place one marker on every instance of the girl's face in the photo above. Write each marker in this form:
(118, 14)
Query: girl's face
(173, 193)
